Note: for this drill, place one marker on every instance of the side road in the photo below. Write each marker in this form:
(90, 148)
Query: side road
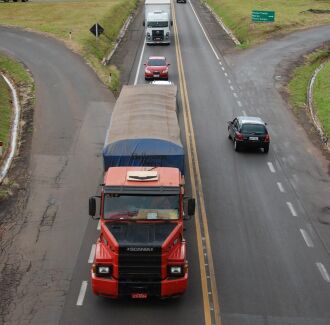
(43, 234)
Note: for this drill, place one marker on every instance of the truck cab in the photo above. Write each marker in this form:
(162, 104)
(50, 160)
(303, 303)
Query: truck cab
(158, 27)
(141, 250)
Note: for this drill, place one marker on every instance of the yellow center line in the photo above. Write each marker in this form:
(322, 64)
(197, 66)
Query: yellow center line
(210, 293)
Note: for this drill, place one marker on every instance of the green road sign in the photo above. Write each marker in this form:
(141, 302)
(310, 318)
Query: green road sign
(259, 16)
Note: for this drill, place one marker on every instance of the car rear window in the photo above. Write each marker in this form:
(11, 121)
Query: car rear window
(253, 128)
(156, 63)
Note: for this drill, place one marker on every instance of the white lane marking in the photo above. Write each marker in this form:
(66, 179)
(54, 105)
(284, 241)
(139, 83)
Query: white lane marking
(323, 271)
(291, 208)
(231, 87)
(240, 105)
(280, 187)
(229, 81)
(226, 74)
(220, 62)
(139, 65)
(307, 238)
(99, 225)
(223, 69)
(82, 293)
(235, 95)
(92, 254)
(271, 167)
(200, 24)
(244, 113)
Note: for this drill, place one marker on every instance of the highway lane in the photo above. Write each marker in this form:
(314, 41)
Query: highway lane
(266, 273)
(186, 310)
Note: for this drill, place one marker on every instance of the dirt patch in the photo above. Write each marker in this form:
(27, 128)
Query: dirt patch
(286, 69)
(15, 189)
(317, 11)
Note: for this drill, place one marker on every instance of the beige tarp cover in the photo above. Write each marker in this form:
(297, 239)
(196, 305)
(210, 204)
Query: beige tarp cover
(145, 111)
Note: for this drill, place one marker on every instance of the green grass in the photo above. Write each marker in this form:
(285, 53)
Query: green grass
(19, 75)
(301, 77)
(5, 113)
(289, 15)
(321, 97)
(59, 18)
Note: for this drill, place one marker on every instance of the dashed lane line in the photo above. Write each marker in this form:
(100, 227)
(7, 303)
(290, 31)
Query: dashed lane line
(231, 87)
(280, 187)
(323, 271)
(92, 254)
(226, 74)
(244, 113)
(82, 293)
(271, 167)
(291, 208)
(307, 238)
(235, 95)
(240, 105)
(99, 225)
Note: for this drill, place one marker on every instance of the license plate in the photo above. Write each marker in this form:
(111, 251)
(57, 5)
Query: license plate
(156, 75)
(254, 138)
(139, 295)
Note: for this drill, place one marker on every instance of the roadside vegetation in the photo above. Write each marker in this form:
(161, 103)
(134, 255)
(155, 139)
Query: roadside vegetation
(299, 84)
(64, 18)
(18, 74)
(25, 86)
(289, 15)
(321, 97)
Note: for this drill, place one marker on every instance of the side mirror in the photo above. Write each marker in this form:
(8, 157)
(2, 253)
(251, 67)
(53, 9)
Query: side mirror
(143, 23)
(145, 64)
(265, 123)
(168, 64)
(92, 206)
(191, 207)
(171, 22)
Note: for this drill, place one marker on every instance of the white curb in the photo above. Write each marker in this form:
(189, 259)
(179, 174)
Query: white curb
(324, 137)
(14, 131)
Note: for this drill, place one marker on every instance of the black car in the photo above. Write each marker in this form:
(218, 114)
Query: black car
(247, 131)
(182, 1)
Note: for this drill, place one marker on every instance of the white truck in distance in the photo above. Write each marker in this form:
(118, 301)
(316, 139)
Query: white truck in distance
(157, 20)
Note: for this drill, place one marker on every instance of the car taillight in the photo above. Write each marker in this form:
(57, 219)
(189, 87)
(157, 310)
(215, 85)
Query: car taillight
(266, 138)
(239, 136)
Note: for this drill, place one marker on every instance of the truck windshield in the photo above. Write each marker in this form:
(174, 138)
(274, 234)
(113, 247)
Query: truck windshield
(141, 207)
(155, 24)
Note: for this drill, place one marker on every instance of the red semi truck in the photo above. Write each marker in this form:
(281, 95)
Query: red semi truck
(141, 250)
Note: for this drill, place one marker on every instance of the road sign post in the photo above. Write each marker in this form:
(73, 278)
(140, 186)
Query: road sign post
(259, 16)
(96, 30)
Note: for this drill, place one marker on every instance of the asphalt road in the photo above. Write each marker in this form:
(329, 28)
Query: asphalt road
(270, 251)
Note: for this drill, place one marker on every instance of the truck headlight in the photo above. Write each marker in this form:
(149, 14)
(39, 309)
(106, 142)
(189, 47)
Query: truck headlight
(176, 270)
(167, 35)
(103, 270)
(148, 35)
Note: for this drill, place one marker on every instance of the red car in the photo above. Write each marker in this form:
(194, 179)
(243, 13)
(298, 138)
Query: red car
(156, 68)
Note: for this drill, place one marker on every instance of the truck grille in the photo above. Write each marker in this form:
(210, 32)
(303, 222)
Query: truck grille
(157, 35)
(140, 265)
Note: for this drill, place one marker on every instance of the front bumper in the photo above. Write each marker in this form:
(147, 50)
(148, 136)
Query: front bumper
(112, 288)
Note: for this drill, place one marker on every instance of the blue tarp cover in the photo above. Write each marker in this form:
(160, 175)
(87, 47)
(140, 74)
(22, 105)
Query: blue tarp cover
(144, 129)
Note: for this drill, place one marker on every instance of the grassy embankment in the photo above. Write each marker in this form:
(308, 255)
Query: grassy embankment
(19, 75)
(299, 84)
(321, 97)
(59, 18)
(289, 15)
